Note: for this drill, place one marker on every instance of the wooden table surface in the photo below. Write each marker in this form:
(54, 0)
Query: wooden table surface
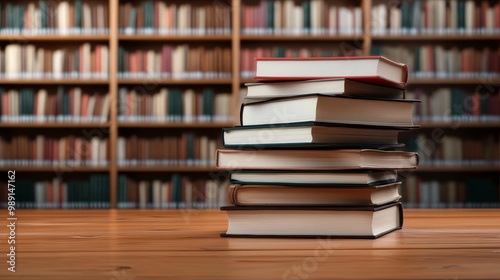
(185, 244)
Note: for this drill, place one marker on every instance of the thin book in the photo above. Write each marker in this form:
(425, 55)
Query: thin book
(315, 159)
(374, 69)
(312, 195)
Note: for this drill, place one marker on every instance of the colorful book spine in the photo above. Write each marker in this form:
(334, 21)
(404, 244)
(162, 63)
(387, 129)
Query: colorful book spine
(44, 17)
(65, 151)
(20, 61)
(162, 17)
(54, 105)
(175, 62)
(439, 17)
(175, 191)
(90, 192)
(187, 149)
(309, 17)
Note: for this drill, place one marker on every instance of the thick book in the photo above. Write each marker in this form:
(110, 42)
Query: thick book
(318, 178)
(374, 69)
(312, 195)
(322, 86)
(314, 222)
(310, 134)
(315, 159)
(329, 109)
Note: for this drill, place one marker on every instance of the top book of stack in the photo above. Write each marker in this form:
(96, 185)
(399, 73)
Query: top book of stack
(372, 69)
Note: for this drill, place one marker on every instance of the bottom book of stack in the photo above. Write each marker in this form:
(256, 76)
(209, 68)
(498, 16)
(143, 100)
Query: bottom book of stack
(314, 221)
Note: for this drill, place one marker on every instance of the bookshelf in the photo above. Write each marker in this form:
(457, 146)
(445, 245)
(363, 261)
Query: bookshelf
(237, 29)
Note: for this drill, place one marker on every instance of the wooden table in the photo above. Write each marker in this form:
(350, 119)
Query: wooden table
(185, 244)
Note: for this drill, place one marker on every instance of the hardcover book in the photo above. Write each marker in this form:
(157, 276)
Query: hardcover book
(318, 178)
(375, 69)
(313, 222)
(329, 109)
(317, 159)
(310, 135)
(312, 195)
(339, 86)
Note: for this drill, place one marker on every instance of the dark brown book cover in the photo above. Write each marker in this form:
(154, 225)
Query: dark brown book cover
(140, 16)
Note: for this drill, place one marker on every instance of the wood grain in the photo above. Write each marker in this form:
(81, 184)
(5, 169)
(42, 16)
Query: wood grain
(185, 244)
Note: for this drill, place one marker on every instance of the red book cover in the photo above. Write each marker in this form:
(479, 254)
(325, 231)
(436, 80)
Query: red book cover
(360, 68)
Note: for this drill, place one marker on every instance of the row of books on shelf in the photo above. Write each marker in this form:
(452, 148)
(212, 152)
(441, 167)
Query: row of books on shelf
(175, 61)
(456, 104)
(469, 193)
(53, 105)
(453, 150)
(54, 17)
(161, 17)
(90, 192)
(437, 61)
(174, 104)
(248, 54)
(30, 61)
(188, 149)
(436, 17)
(300, 18)
(42, 150)
(176, 192)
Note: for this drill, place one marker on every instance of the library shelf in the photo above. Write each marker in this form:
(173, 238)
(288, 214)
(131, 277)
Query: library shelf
(453, 81)
(56, 168)
(162, 81)
(456, 169)
(54, 124)
(278, 37)
(460, 124)
(62, 81)
(174, 124)
(26, 37)
(192, 169)
(436, 37)
(170, 37)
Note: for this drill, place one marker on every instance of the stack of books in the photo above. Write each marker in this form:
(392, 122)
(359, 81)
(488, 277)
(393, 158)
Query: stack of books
(317, 152)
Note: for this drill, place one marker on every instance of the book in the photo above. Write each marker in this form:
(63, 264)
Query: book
(309, 134)
(317, 159)
(322, 86)
(376, 69)
(310, 194)
(313, 222)
(329, 109)
(318, 178)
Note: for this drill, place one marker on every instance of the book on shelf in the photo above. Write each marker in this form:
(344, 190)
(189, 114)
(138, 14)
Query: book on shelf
(174, 18)
(444, 62)
(375, 69)
(313, 222)
(310, 134)
(329, 109)
(318, 178)
(43, 17)
(83, 193)
(340, 86)
(175, 192)
(315, 159)
(301, 18)
(53, 105)
(312, 195)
